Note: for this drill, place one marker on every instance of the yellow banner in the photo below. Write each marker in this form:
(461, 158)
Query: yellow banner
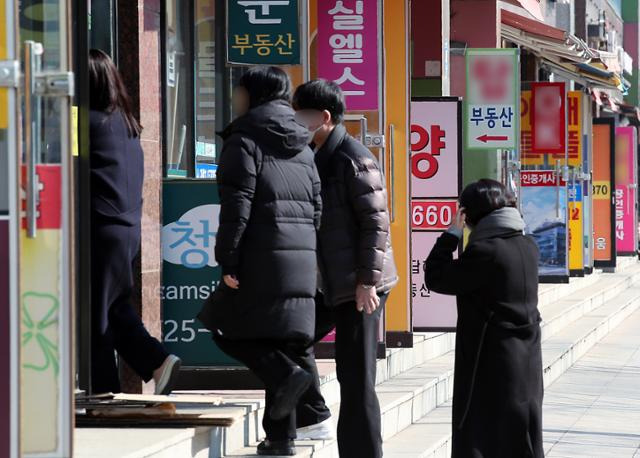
(601, 190)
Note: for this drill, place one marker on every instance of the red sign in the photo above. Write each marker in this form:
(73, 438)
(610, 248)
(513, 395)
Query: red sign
(541, 178)
(49, 206)
(433, 215)
(548, 120)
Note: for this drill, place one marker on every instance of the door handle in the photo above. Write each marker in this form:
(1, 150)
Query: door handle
(32, 63)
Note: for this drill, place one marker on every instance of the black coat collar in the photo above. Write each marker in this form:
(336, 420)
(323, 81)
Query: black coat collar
(335, 139)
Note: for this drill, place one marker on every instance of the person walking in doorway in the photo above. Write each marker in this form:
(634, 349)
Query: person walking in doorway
(357, 272)
(498, 386)
(117, 173)
(266, 245)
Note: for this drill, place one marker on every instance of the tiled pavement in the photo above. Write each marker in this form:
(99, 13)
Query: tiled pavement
(593, 410)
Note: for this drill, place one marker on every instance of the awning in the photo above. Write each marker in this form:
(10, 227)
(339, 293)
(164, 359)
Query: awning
(544, 39)
(559, 50)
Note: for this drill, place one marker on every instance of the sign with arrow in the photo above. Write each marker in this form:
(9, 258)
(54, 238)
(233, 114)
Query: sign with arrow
(492, 103)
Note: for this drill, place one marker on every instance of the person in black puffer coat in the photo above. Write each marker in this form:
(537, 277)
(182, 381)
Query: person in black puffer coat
(266, 245)
(357, 272)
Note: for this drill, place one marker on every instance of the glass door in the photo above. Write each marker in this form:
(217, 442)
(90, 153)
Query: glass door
(36, 169)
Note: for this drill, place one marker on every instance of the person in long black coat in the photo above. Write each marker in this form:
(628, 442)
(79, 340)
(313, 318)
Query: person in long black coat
(498, 386)
(117, 172)
(266, 245)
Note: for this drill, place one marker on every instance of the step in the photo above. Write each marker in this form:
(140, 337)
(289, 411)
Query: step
(559, 352)
(415, 382)
(594, 408)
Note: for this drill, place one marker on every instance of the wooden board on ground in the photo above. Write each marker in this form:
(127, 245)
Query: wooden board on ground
(159, 418)
(110, 399)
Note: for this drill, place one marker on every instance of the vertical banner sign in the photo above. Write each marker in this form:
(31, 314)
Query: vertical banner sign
(576, 243)
(626, 190)
(493, 95)
(190, 272)
(348, 41)
(544, 207)
(576, 198)
(435, 186)
(574, 128)
(604, 237)
(263, 32)
(548, 119)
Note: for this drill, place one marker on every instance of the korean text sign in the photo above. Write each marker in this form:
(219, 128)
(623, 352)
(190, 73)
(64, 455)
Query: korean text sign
(263, 32)
(190, 272)
(626, 190)
(574, 132)
(435, 186)
(604, 249)
(492, 100)
(348, 40)
(544, 207)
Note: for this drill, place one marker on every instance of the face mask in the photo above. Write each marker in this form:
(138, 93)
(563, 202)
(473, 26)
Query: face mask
(310, 119)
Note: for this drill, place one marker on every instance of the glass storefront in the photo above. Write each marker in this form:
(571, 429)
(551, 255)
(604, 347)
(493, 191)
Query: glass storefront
(197, 86)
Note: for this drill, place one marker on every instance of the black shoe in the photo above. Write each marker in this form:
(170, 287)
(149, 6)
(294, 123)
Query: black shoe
(277, 448)
(286, 397)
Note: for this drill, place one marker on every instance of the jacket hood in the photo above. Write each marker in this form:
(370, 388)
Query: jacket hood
(273, 125)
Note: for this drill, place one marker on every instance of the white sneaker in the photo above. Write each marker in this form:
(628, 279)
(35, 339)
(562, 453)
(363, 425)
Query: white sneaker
(168, 376)
(324, 431)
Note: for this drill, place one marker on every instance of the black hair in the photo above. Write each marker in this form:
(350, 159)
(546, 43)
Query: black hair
(107, 90)
(483, 197)
(321, 95)
(265, 84)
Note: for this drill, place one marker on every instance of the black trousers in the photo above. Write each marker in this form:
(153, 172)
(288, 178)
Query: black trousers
(271, 361)
(356, 344)
(116, 326)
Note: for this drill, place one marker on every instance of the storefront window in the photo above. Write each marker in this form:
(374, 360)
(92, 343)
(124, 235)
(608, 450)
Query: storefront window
(197, 87)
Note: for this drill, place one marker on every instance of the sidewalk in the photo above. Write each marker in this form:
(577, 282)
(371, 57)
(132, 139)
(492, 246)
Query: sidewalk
(593, 410)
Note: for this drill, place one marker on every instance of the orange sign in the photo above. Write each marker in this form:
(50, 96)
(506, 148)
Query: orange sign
(603, 180)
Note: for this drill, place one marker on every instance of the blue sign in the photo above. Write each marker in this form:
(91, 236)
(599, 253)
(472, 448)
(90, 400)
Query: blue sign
(205, 170)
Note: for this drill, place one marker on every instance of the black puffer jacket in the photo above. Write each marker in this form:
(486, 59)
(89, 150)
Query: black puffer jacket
(270, 210)
(354, 244)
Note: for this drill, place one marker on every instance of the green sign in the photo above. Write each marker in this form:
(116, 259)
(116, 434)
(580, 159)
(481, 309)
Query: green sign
(263, 32)
(190, 272)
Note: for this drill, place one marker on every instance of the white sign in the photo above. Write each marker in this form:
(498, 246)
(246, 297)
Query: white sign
(492, 100)
(191, 240)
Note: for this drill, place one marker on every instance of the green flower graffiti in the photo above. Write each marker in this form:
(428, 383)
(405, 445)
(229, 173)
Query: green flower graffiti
(35, 332)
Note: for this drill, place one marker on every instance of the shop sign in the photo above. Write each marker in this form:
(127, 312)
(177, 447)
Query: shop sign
(493, 95)
(544, 208)
(548, 118)
(604, 237)
(44, 361)
(576, 229)
(263, 32)
(626, 190)
(574, 133)
(435, 187)
(190, 272)
(348, 41)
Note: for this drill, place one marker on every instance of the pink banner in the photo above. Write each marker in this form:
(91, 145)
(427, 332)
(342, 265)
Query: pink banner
(626, 190)
(348, 49)
(434, 149)
(435, 185)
